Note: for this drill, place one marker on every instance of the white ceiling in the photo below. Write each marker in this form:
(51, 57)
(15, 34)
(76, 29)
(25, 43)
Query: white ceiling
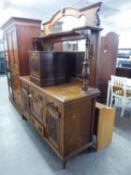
(115, 15)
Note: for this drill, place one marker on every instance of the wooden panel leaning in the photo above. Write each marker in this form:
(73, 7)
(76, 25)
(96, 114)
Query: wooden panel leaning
(104, 117)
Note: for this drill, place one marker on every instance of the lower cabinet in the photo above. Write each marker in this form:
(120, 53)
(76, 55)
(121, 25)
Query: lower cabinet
(65, 125)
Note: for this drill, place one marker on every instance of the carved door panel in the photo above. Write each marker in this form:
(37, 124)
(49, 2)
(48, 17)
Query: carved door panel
(37, 103)
(10, 49)
(25, 100)
(53, 124)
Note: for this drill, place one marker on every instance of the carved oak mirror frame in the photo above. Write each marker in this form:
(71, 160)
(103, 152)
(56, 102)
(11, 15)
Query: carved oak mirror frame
(90, 12)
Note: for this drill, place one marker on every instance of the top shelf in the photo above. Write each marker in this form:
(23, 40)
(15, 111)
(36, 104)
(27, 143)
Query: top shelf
(73, 34)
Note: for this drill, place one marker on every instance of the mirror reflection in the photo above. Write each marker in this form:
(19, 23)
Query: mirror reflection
(67, 23)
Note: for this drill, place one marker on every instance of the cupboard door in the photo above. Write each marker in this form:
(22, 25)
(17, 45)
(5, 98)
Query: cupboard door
(10, 49)
(14, 48)
(53, 124)
(25, 100)
(37, 104)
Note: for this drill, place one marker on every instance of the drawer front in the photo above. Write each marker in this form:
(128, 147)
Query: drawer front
(53, 118)
(37, 125)
(37, 103)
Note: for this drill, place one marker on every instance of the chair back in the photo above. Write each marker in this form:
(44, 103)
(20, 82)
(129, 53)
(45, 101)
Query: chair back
(118, 87)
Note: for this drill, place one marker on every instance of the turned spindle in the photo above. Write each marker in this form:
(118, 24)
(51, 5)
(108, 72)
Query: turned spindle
(86, 65)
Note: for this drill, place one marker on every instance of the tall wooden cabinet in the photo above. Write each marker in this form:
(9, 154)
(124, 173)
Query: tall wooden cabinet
(18, 34)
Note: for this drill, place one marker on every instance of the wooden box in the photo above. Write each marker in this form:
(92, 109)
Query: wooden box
(104, 121)
(51, 68)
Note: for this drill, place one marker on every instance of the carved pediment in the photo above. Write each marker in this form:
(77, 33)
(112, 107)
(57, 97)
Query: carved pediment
(90, 13)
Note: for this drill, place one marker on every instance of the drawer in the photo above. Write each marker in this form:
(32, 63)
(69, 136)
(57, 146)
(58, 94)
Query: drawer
(37, 104)
(37, 125)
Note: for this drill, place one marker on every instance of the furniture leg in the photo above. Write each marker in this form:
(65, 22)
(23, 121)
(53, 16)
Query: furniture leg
(23, 117)
(64, 164)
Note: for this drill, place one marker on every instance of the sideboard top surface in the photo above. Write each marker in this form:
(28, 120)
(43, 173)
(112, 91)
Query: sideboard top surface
(66, 92)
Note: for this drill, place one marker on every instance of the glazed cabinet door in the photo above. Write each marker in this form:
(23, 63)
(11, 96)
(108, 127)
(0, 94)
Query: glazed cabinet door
(53, 115)
(7, 67)
(37, 103)
(25, 100)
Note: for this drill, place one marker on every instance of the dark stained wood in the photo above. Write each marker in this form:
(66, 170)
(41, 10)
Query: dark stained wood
(18, 33)
(49, 41)
(50, 68)
(106, 65)
(123, 72)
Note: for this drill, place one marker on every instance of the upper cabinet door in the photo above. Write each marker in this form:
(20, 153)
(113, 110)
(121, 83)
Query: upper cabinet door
(12, 48)
(9, 46)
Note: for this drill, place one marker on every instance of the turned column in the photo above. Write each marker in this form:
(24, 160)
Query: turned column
(86, 64)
